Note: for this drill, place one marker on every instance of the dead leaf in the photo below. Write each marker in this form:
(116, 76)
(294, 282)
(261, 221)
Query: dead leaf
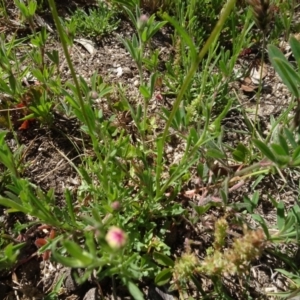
(248, 88)
(247, 85)
(87, 44)
(258, 71)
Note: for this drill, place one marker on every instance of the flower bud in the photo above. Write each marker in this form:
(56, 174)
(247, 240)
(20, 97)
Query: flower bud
(116, 205)
(142, 21)
(93, 95)
(116, 238)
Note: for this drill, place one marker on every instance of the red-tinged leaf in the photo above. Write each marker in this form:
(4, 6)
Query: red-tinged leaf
(52, 234)
(159, 97)
(24, 125)
(40, 242)
(44, 226)
(20, 105)
(46, 255)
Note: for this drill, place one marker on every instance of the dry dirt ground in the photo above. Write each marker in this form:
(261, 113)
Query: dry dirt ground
(45, 155)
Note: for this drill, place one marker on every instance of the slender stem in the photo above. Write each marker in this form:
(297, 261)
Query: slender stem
(80, 99)
(214, 35)
(256, 124)
(67, 56)
(114, 288)
(292, 12)
(227, 8)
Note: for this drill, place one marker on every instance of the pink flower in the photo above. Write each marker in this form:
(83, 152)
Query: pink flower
(116, 205)
(142, 21)
(144, 18)
(116, 237)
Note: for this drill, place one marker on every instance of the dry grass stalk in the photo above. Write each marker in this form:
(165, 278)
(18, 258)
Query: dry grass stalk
(261, 13)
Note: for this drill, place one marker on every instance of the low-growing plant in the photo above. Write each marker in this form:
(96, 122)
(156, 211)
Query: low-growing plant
(116, 223)
(96, 22)
(288, 73)
(27, 11)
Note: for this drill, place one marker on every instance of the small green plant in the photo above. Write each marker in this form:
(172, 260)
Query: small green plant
(262, 16)
(287, 72)
(96, 22)
(28, 11)
(146, 28)
(217, 262)
(3, 11)
(9, 254)
(286, 13)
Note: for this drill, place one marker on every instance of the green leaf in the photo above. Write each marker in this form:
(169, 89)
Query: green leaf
(134, 291)
(183, 34)
(144, 35)
(275, 52)
(295, 45)
(68, 261)
(12, 204)
(144, 90)
(264, 149)
(296, 156)
(163, 277)
(282, 160)
(283, 144)
(12, 82)
(257, 181)
(70, 207)
(262, 223)
(152, 83)
(6, 156)
(284, 69)
(278, 150)
(5, 88)
(217, 122)
(77, 252)
(247, 204)
(163, 259)
(128, 8)
(215, 153)
(53, 56)
(288, 75)
(255, 198)
(280, 215)
(10, 255)
(153, 28)
(159, 165)
(240, 153)
(289, 225)
(290, 138)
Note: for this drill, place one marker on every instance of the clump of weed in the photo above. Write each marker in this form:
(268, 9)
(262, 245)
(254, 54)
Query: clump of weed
(218, 261)
(236, 259)
(96, 22)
